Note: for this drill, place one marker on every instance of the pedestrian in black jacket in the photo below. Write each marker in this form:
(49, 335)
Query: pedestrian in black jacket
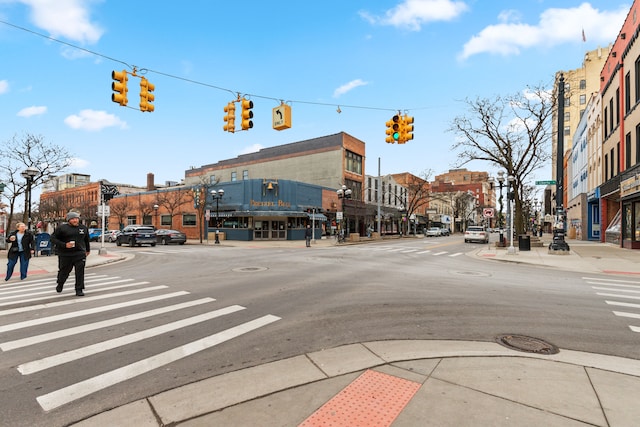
(72, 241)
(21, 248)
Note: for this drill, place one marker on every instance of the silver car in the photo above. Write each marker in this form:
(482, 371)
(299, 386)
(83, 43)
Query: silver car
(476, 234)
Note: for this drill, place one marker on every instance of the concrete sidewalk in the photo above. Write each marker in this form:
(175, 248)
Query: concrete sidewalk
(413, 383)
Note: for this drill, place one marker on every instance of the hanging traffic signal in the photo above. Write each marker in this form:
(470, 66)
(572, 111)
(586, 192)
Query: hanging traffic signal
(393, 130)
(247, 114)
(146, 97)
(406, 129)
(119, 87)
(230, 118)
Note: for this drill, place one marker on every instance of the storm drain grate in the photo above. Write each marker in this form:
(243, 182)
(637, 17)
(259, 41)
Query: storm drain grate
(527, 344)
(249, 269)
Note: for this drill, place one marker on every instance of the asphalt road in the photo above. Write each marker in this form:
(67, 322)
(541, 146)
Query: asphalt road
(257, 305)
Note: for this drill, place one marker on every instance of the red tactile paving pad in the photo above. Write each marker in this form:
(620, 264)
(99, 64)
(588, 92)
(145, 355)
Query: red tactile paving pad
(373, 399)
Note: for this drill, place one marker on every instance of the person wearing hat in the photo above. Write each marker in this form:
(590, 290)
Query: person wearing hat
(72, 241)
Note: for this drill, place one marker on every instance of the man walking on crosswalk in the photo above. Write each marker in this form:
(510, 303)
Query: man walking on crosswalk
(72, 242)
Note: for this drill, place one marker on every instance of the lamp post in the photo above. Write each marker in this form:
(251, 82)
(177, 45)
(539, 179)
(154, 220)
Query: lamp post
(344, 193)
(29, 174)
(217, 195)
(511, 198)
(500, 225)
(155, 210)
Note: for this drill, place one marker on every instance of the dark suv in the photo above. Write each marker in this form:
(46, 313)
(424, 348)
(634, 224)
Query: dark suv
(137, 235)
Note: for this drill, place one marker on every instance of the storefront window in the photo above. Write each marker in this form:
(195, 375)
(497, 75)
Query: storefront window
(637, 220)
(628, 222)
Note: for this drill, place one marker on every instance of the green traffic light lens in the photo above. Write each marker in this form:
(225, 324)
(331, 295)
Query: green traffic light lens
(396, 136)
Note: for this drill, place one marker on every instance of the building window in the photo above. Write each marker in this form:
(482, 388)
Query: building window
(627, 93)
(212, 179)
(583, 84)
(245, 175)
(606, 122)
(234, 176)
(583, 99)
(638, 144)
(567, 116)
(188, 219)
(617, 106)
(132, 219)
(636, 79)
(354, 163)
(147, 220)
(611, 115)
(567, 101)
(166, 220)
(606, 167)
(627, 147)
(567, 131)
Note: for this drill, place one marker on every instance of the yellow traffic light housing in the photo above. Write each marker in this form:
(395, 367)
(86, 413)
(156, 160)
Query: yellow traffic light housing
(146, 97)
(406, 129)
(393, 130)
(247, 114)
(230, 117)
(119, 87)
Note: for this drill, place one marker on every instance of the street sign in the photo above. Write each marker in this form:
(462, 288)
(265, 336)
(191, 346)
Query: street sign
(550, 182)
(487, 212)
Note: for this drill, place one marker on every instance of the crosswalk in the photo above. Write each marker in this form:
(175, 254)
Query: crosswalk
(622, 295)
(28, 310)
(405, 250)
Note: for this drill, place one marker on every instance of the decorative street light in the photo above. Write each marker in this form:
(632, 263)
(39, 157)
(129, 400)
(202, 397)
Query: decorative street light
(344, 193)
(500, 224)
(155, 209)
(511, 199)
(29, 174)
(217, 195)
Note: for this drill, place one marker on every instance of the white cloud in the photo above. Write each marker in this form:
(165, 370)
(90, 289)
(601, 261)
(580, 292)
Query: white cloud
(4, 86)
(556, 26)
(32, 111)
(92, 120)
(412, 14)
(67, 18)
(79, 163)
(347, 87)
(252, 149)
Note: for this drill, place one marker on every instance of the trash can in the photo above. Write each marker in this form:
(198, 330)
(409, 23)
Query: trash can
(524, 242)
(43, 244)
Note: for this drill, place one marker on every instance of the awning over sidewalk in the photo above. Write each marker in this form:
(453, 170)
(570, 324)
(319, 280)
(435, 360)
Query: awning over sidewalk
(317, 217)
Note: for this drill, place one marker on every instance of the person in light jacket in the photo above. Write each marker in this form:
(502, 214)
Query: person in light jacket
(22, 246)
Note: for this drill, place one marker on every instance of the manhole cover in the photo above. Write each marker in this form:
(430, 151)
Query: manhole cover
(249, 269)
(527, 344)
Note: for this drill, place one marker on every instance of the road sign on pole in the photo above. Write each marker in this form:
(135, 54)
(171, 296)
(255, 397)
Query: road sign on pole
(550, 182)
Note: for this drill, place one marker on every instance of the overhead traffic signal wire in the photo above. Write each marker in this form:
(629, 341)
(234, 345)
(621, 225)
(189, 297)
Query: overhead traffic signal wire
(143, 71)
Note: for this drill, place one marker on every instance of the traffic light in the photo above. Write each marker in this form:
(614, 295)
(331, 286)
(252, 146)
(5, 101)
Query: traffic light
(146, 97)
(119, 87)
(393, 130)
(406, 129)
(230, 118)
(247, 114)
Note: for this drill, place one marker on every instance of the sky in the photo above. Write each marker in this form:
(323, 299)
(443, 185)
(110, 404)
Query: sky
(342, 66)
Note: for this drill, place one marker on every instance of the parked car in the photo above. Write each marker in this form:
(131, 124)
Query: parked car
(94, 234)
(170, 236)
(476, 234)
(137, 235)
(445, 231)
(433, 232)
(111, 235)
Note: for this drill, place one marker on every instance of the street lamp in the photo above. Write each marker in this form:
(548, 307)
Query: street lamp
(344, 193)
(217, 195)
(29, 174)
(500, 225)
(511, 198)
(155, 209)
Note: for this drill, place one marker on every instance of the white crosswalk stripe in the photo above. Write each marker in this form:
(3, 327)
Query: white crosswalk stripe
(404, 250)
(31, 296)
(620, 290)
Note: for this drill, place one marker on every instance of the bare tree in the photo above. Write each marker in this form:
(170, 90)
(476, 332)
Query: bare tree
(511, 133)
(30, 151)
(173, 200)
(119, 206)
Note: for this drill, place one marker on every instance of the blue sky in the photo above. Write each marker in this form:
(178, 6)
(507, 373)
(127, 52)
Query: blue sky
(367, 59)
